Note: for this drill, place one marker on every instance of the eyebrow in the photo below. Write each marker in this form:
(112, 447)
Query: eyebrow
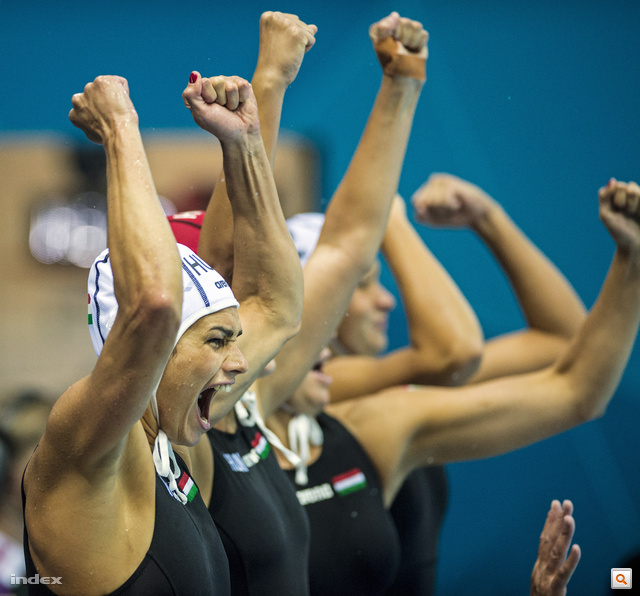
(228, 332)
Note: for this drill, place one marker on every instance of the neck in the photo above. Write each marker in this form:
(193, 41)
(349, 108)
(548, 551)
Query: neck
(228, 424)
(278, 423)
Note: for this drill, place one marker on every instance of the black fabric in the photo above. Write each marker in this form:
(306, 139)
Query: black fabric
(185, 558)
(355, 548)
(264, 529)
(418, 511)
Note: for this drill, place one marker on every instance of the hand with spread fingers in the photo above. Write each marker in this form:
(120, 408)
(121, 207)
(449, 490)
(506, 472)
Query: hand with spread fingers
(553, 568)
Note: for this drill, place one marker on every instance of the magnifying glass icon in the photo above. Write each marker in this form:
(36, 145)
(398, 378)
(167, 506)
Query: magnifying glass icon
(620, 579)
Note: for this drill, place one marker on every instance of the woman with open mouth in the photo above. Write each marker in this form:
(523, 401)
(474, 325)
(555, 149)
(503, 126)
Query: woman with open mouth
(110, 506)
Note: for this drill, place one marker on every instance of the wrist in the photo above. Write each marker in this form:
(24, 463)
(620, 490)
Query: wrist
(244, 142)
(121, 131)
(402, 89)
(269, 80)
(489, 220)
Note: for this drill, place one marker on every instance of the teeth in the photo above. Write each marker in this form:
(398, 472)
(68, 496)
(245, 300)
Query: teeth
(225, 388)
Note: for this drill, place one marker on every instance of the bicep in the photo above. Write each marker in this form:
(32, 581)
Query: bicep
(92, 420)
(329, 280)
(488, 419)
(261, 340)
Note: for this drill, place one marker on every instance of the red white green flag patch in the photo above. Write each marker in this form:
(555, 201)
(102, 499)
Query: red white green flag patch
(261, 446)
(349, 482)
(187, 486)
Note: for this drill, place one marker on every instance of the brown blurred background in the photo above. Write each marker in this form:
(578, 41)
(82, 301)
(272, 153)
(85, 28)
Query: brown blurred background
(43, 307)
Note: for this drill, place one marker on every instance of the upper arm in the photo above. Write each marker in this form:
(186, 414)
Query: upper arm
(262, 339)
(403, 429)
(329, 280)
(488, 419)
(91, 421)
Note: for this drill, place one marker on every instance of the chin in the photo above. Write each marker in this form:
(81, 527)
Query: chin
(217, 411)
(190, 438)
(373, 348)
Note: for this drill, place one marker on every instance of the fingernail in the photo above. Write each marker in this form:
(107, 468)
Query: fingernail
(193, 78)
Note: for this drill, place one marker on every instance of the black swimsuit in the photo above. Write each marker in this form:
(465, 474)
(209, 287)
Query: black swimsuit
(185, 558)
(354, 543)
(418, 511)
(264, 529)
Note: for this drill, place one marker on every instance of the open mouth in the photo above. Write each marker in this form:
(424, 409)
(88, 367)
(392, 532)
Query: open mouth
(204, 401)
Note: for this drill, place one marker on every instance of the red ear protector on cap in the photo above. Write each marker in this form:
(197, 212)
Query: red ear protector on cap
(186, 227)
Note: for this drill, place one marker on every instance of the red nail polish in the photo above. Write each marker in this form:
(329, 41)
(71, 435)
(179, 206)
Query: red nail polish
(193, 78)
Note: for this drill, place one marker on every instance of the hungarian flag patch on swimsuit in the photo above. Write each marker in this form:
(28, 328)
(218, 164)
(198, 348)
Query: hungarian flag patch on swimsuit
(349, 482)
(260, 449)
(187, 486)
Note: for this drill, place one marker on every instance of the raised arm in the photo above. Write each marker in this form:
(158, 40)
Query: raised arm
(148, 290)
(284, 40)
(357, 213)
(445, 335)
(439, 425)
(267, 279)
(552, 309)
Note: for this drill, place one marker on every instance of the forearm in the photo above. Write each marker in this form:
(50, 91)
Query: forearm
(269, 91)
(266, 264)
(357, 214)
(600, 350)
(444, 331)
(216, 240)
(139, 254)
(548, 300)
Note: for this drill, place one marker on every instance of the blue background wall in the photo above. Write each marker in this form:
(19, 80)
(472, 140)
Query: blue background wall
(536, 103)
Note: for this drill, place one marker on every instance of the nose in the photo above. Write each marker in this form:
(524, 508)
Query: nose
(235, 362)
(385, 299)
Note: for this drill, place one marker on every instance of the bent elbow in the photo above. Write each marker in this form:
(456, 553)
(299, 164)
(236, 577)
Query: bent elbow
(462, 362)
(157, 314)
(589, 410)
(589, 400)
(465, 368)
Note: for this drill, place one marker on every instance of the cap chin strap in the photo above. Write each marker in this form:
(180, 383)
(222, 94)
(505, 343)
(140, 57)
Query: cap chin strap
(164, 459)
(249, 415)
(304, 431)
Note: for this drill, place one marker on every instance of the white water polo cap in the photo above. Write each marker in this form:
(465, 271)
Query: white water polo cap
(305, 230)
(204, 291)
